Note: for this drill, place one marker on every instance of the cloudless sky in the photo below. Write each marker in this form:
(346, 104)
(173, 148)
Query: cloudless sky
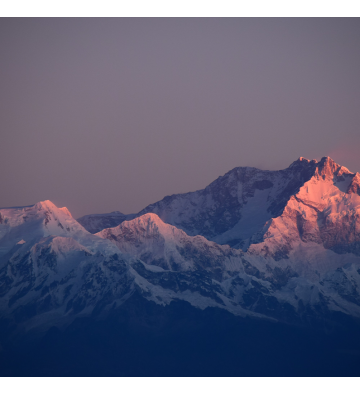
(113, 114)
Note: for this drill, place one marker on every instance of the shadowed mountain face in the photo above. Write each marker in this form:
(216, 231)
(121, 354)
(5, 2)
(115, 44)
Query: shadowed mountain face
(260, 249)
(96, 222)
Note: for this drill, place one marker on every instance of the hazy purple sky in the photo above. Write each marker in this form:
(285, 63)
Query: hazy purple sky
(113, 114)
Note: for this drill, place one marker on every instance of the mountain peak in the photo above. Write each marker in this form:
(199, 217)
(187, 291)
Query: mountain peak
(159, 244)
(302, 159)
(146, 226)
(49, 206)
(327, 161)
(44, 204)
(301, 162)
(150, 222)
(328, 168)
(151, 217)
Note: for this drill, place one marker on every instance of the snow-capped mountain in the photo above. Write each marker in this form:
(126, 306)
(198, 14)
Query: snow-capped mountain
(149, 239)
(265, 246)
(298, 229)
(27, 225)
(273, 213)
(51, 268)
(237, 208)
(230, 210)
(181, 263)
(325, 211)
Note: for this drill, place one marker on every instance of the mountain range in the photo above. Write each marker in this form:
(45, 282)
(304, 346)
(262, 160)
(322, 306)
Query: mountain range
(269, 247)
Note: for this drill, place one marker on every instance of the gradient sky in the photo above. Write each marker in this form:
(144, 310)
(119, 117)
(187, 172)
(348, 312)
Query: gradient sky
(113, 114)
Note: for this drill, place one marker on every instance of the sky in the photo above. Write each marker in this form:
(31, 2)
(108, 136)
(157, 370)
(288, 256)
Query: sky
(113, 114)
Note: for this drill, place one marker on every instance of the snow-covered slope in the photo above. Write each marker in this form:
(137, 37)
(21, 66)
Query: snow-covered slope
(53, 269)
(29, 224)
(148, 238)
